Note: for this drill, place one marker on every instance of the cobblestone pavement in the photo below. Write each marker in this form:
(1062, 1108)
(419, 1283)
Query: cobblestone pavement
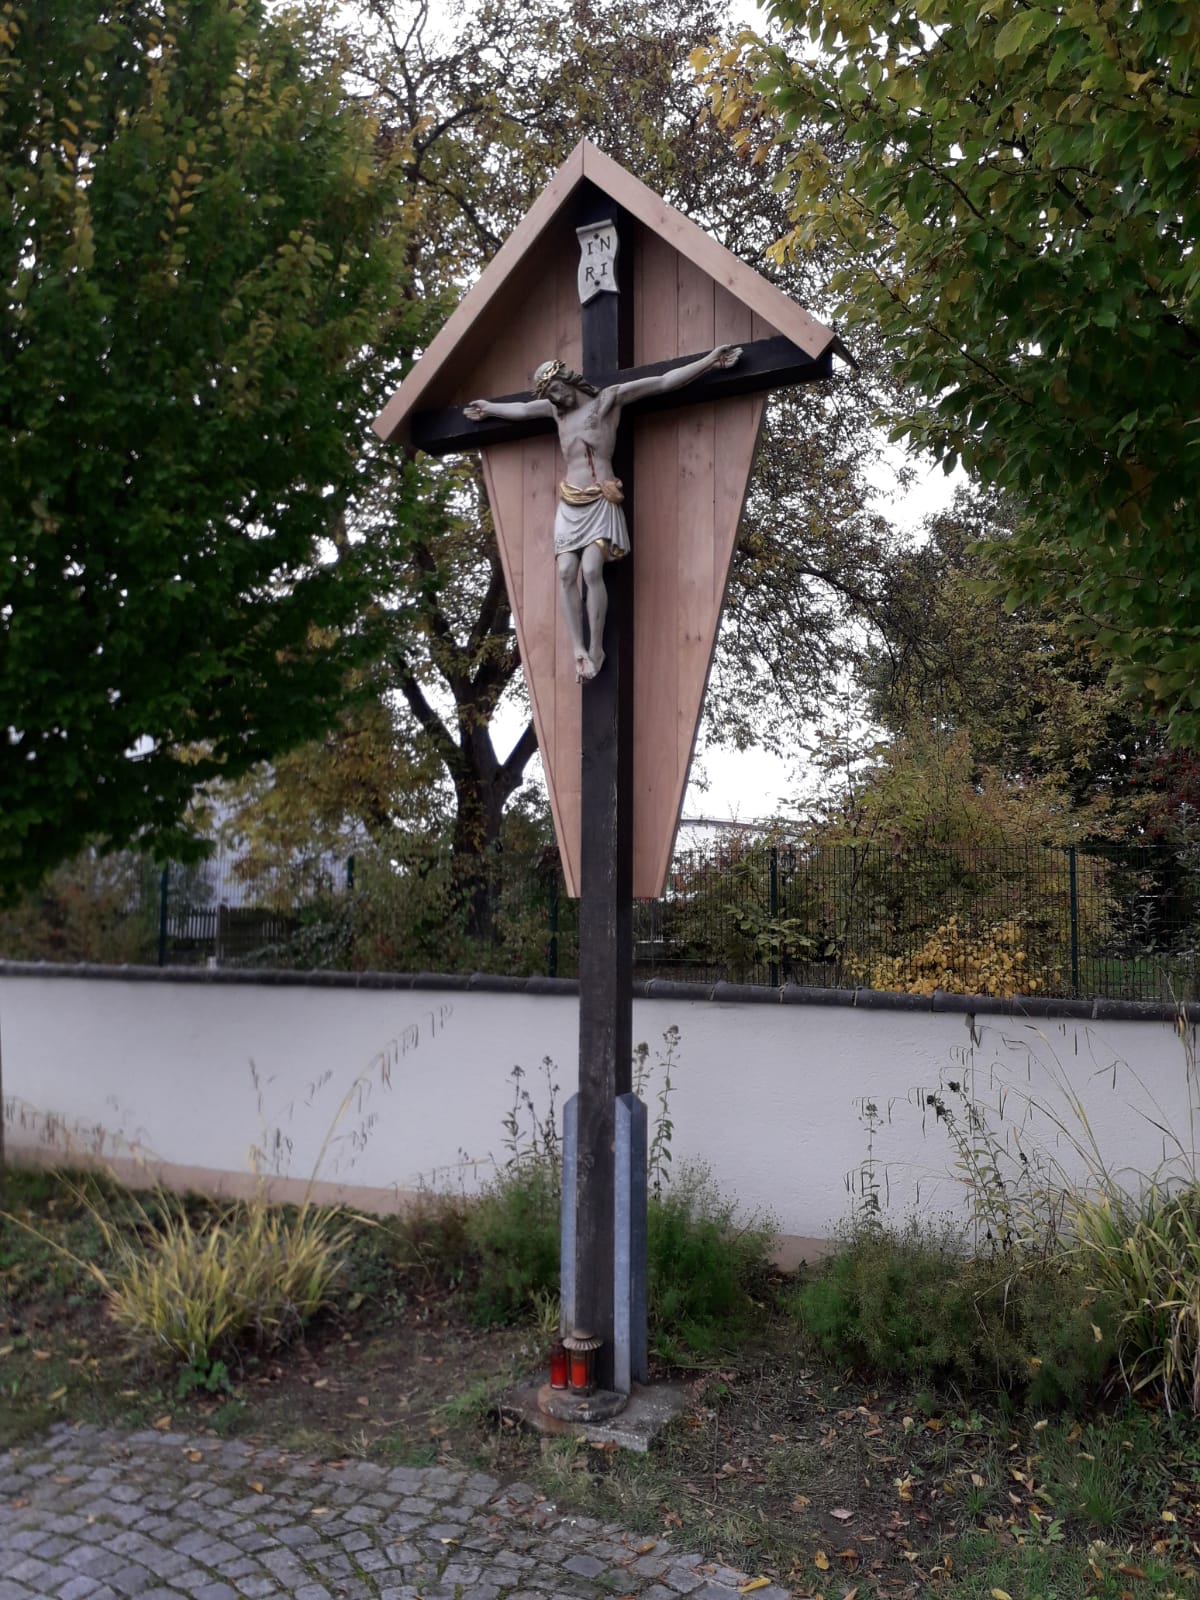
(94, 1514)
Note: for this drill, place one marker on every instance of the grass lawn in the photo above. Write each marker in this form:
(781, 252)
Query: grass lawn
(781, 1466)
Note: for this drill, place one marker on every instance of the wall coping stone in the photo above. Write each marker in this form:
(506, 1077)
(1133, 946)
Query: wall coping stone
(722, 993)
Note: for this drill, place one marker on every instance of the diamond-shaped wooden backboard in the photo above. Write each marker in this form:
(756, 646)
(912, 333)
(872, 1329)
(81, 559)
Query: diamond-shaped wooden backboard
(691, 468)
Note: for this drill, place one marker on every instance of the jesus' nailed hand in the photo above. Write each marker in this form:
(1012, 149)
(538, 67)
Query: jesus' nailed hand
(589, 524)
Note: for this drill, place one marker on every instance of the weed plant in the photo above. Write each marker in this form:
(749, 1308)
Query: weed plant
(911, 1305)
(513, 1229)
(705, 1264)
(1131, 1240)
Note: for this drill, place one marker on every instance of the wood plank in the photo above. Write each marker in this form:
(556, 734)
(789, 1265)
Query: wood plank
(734, 324)
(657, 337)
(562, 304)
(656, 470)
(694, 576)
(558, 739)
(656, 692)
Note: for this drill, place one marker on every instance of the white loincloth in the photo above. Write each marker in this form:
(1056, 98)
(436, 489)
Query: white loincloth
(600, 522)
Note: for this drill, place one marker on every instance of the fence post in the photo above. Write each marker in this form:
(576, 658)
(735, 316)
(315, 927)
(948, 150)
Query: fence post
(773, 902)
(552, 952)
(163, 890)
(1073, 881)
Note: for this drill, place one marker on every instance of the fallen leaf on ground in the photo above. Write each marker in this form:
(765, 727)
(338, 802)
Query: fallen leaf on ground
(161, 1425)
(195, 1455)
(800, 1502)
(256, 1486)
(841, 1513)
(755, 1583)
(1001, 1594)
(821, 1560)
(645, 1549)
(57, 1395)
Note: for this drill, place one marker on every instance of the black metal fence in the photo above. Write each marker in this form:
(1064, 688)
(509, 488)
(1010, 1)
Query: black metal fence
(1120, 922)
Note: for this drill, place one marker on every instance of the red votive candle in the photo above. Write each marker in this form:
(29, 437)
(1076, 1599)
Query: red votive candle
(558, 1365)
(581, 1376)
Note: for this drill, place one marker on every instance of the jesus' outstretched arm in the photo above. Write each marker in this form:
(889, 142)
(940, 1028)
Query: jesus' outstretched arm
(725, 355)
(508, 410)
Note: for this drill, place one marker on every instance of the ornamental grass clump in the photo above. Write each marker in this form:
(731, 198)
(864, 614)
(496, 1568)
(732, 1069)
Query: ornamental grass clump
(194, 1290)
(1143, 1255)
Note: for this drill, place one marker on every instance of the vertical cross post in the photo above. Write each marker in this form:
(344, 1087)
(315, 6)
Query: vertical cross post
(606, 858)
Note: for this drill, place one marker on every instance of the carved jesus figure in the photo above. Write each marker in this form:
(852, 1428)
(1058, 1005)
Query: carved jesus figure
(589, 522)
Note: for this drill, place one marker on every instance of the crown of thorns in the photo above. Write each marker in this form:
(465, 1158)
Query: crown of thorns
(549, 371)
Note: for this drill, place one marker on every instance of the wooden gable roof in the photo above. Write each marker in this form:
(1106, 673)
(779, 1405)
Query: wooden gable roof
(436, 378)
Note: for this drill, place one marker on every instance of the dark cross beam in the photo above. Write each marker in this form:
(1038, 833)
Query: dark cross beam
(773, 363)
(606, 845)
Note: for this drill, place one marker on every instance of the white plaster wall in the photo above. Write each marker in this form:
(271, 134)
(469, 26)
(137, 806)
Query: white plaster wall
(399, 1088)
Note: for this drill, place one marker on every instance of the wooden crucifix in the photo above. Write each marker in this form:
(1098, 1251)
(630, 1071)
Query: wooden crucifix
(631, 301)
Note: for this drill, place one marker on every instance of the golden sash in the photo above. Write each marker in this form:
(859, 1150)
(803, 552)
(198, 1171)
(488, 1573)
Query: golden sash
(609, 489)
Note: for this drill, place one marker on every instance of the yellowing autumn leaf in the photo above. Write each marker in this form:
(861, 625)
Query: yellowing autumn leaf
(801, 1502)
(1001, 1594)
(256, 1486)
(822, 1560)
(904, 1487)
(57, 1395)
(755, 1583)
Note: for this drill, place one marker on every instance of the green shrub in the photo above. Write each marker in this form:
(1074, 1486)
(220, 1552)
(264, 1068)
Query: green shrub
(913, 1306)
(513, 1230)
(703, 1265)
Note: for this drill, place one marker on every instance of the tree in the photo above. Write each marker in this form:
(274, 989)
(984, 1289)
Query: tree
(198, 319)
(1013, 188)
(1031, 701)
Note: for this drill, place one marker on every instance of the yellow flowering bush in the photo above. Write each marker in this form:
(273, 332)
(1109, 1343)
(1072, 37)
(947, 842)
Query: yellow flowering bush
(960, 960)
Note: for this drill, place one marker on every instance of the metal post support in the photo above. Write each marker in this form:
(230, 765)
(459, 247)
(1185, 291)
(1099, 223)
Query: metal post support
(552, 951)
(163, 893)
(1073, 881)
(773, 902)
